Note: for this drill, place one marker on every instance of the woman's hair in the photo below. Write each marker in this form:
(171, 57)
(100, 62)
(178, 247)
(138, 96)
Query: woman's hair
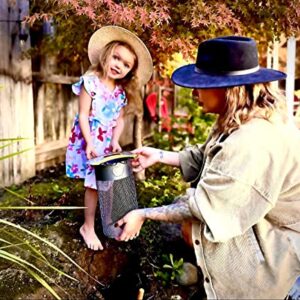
(130, 81)
(248, 101)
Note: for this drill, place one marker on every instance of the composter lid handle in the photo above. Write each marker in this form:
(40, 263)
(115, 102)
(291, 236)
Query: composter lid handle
(112, 158)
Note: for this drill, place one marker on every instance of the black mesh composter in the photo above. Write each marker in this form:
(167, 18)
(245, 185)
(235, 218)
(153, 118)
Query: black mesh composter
(116, 193)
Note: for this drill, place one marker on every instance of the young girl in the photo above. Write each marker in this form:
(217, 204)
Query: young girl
(120, 63)
(244, 209)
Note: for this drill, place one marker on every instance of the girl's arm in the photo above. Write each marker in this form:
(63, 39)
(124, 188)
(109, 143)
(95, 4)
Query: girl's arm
(84, 111)
(117, 131)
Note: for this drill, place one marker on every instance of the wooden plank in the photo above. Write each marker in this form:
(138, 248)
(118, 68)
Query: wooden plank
(50, 153)
(39, 115)
(54, 78)
(290, 70)
(16, 120)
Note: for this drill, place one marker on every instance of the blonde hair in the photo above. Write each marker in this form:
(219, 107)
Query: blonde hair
(244, 103)
(130, 81)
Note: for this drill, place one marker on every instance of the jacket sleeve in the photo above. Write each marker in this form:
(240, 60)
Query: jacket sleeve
(191, 162)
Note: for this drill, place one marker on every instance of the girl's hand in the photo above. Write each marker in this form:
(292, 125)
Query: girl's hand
(90, 151)
(147, 157)
(115, 146)
(131, 223)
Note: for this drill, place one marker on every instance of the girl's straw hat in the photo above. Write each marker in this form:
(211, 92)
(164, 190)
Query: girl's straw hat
(224, 62)
(107, 34)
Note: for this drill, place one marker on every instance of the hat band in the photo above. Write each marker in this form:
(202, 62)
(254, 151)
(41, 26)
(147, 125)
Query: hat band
(231, 73)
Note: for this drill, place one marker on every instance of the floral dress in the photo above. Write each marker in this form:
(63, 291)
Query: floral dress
(105, 109)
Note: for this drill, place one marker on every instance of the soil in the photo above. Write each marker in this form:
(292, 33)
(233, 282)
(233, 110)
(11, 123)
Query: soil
(117, 272)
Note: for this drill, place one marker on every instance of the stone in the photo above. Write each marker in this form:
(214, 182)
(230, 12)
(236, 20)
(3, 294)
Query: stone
(189, 275)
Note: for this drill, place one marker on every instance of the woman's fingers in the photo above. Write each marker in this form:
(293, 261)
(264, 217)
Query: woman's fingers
(119, 223)
(138, 150)
(138, 168)
(131, 224)
(129, 237)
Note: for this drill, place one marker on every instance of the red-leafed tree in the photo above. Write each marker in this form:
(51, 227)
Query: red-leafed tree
(166, 26)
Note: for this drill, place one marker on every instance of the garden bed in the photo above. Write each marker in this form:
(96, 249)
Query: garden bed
(121, 269)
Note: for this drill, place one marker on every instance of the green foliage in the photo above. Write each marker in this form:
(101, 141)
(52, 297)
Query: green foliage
(163, 183)
(190, 127)
(170, 269)
(199, 124)
(60, 189)
(23, 247)
(161, 187)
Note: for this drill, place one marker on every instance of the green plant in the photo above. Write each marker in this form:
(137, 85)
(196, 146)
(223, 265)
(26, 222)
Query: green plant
(161, 187)
(60, 189)
(170, 269)
(9, 142)
(22, 247)
(191, 126)
(200, 123)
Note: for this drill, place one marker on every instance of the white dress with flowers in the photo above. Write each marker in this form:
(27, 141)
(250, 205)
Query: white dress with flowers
(105, 109)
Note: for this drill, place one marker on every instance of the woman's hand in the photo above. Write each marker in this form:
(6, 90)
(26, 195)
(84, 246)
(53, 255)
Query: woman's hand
(90, 151)
(147, 157)
(131, 223)
(115, 146)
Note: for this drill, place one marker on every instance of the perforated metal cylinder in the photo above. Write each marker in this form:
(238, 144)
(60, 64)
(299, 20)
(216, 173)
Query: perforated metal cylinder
(116, 194)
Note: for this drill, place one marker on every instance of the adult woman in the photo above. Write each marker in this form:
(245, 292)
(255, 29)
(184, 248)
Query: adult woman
(244, 209)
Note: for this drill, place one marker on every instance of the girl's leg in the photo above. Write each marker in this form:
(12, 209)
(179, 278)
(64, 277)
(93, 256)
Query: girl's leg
(87, 230)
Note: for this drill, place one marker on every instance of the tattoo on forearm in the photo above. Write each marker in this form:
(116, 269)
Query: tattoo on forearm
(173, 213)
(181, 198)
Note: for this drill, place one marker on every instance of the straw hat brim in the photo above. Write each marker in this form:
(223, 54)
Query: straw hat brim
(107, 34)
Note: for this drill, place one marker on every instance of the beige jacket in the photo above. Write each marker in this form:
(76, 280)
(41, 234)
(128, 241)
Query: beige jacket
(247, 201)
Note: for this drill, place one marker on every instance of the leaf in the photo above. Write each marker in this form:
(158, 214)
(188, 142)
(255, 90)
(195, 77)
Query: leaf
(16, 153)
(41, 207)
(39, 255)
(167, 266)
(28, 267)
(14, 139)
(50, 245)
(17, 195)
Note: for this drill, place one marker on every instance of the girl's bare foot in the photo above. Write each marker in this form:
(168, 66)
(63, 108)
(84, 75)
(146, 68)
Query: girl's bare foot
(90, 238)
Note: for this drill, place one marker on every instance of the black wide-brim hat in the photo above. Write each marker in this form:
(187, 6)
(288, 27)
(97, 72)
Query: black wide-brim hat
(225, 62)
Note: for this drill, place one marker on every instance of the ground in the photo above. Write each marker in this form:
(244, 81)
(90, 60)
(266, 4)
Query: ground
(121, 269)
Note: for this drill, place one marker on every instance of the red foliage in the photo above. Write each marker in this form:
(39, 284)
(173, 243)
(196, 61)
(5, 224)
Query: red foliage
(170, 26)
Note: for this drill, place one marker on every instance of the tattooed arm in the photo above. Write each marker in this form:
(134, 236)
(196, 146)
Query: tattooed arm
(173, 213)
(176, 212)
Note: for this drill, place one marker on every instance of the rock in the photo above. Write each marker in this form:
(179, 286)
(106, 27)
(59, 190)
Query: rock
(189, 275)
(170, 232)
(176, 297)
